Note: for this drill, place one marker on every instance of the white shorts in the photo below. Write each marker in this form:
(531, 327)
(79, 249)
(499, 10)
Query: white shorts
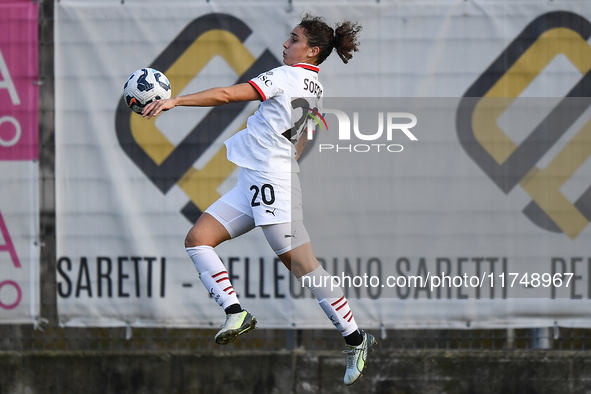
(272, 201)
(269, 198)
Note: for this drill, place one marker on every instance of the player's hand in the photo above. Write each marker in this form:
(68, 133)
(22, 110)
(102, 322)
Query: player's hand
(155, 107)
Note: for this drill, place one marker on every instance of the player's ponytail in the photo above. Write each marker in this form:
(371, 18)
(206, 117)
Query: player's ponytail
(343, 38)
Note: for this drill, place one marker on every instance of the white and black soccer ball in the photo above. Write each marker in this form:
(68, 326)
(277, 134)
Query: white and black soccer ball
(144, 86)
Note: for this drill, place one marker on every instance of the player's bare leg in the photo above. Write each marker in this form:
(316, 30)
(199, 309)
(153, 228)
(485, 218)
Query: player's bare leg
(205, 234)
(304, 265)
(206, 231)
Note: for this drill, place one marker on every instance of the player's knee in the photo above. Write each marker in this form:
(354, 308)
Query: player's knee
(203, 235)
(286, 259)
(195, 238)
(189, 241)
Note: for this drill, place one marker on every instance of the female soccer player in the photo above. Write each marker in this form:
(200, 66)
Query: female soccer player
(267, 194)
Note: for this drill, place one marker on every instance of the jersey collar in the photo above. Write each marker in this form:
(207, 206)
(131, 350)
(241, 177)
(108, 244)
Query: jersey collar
(307, 66)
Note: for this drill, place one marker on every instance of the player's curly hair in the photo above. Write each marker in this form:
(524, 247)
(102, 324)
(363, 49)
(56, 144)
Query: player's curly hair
(319, 34)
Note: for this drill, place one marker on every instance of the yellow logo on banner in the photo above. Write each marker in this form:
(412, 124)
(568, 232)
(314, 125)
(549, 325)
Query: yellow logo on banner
(508, 164)
(186, 56)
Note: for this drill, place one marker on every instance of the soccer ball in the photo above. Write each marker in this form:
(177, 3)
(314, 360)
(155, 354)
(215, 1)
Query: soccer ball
(144, 86)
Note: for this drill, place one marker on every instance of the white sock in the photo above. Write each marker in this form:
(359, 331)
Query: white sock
(332, 301)
(213, 275)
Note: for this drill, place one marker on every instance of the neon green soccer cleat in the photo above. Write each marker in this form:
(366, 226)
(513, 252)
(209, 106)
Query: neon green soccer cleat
(357, 357)
(236, 324)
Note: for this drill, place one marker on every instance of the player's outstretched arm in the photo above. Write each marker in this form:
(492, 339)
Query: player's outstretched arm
(206, 98)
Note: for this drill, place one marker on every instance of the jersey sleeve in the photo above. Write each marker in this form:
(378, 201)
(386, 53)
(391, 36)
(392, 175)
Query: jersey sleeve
(269, 83)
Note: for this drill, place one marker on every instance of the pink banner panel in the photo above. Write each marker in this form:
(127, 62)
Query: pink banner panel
(19, 91)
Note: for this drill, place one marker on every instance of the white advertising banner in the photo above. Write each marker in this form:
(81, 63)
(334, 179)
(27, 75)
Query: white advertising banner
(19, 168)
(466, 208)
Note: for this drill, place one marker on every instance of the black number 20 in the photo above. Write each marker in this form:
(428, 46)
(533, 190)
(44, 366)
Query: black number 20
(266, 188)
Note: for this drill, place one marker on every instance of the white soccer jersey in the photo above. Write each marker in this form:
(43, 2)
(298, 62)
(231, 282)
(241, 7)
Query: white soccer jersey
(262, 145)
